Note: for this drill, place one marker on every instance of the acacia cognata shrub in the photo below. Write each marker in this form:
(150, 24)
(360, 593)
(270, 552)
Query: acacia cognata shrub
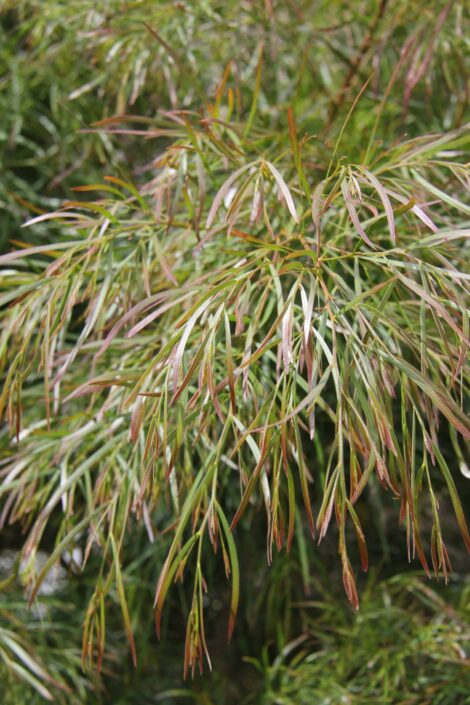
(226, 353)
(269, 318)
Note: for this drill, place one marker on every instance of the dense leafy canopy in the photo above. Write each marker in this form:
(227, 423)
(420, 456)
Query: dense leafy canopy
(238, 320)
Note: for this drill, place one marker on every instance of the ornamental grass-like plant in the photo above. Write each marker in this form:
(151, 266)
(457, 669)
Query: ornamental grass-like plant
(261, 307)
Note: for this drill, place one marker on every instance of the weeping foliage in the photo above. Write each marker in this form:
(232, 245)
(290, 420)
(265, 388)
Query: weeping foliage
(272, 313)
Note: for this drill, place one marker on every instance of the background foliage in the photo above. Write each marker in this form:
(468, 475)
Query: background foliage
(241, 303)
